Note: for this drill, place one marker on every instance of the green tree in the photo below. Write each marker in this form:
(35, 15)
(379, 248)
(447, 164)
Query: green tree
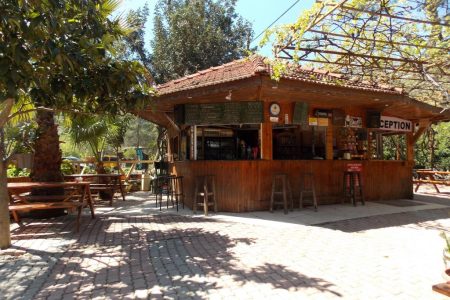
(144, 134)
(190, 36)
(61, 54)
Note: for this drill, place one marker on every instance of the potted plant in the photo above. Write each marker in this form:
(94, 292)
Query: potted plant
(446, 257)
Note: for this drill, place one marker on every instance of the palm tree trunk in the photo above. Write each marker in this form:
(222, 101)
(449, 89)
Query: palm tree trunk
(47, 156)
(47, 161)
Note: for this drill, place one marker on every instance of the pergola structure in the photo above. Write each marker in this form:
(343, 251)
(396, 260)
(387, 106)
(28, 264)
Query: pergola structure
(400, 43)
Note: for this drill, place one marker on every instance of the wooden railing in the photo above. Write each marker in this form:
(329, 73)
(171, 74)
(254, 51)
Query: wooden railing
(80, 170)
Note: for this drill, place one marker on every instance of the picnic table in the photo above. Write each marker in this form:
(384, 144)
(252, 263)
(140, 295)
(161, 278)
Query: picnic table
(101, 182)
(443, 288)
(433, 177)
(76, 196)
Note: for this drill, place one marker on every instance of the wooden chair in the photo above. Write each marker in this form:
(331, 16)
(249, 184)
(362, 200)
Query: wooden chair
(205, 189)
(285, 189)
(307, 186)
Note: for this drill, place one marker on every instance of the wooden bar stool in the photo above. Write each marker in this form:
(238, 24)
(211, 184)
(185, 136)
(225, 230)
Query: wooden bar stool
(177, 191)
(352, 182)
(307, 185)
(163, 187)
(205, 189)
(285, 189)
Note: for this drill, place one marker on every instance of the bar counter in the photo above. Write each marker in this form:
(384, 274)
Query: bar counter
(245, 185)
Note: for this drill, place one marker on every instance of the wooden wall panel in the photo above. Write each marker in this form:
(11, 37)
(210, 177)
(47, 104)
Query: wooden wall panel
(246, 185)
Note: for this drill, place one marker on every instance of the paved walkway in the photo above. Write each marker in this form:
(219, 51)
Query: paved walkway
(134, 251)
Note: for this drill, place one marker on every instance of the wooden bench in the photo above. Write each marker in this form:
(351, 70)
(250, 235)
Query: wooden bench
(77, 195)
(44, 206)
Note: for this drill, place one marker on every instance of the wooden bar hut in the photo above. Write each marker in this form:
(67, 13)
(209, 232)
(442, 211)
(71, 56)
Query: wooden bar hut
(237, 123)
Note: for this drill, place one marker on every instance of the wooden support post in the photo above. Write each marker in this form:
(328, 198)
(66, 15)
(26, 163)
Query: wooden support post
(329, 142)
(266, 141)
(410, 147)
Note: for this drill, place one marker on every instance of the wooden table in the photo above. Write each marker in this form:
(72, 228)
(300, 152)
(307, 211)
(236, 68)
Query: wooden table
(430, 176)
(76, 195)
(112, 182)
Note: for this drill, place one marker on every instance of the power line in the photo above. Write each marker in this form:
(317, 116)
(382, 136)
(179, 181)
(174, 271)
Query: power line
(275, 20)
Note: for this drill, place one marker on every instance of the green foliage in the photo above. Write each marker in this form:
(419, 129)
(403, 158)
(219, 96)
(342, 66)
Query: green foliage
(132, 47)
(14, 171)
(432, 150)
(394, 147)
(358, 38)
(19, 138)
(62, 54)
(190, 36)
(95, 132)
(66, 168)
(141, 134)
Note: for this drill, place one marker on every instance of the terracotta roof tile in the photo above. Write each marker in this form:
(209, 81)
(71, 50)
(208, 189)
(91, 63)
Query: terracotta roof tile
(255, 65)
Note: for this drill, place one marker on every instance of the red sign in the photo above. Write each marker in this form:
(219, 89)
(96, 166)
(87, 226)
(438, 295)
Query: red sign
(354, 167)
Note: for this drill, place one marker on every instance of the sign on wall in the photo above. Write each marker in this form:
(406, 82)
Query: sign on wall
(351, 121)
(395, 124)
(354, 167)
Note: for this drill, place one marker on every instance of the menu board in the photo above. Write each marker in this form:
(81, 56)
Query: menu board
(224, 113)
(252, 112)
(300, 113)
(191, 114)
(232, 113)
(211, 114)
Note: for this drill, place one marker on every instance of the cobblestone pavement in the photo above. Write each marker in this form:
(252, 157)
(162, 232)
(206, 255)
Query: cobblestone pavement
(169, 255)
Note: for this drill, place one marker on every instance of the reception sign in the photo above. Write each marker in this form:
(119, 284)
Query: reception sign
(395, 124)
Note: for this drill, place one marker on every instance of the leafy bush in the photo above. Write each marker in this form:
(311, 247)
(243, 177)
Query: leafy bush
(14, 171)
(67, 168)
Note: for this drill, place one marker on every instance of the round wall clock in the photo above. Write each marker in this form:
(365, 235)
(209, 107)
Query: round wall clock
(274, 109)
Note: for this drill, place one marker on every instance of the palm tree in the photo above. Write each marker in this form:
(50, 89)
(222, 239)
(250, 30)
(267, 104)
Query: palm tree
(97, 132)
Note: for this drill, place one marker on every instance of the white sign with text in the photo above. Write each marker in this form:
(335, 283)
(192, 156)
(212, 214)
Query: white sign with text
(395, 124)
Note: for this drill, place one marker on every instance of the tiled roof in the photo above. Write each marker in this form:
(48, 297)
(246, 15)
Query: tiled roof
(255, 65)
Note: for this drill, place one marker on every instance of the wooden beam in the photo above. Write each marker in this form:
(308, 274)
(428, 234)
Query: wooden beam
(376, 13)
(423, 125)
(325, 33)
(172, 122)
(335, 6)
(356, 55)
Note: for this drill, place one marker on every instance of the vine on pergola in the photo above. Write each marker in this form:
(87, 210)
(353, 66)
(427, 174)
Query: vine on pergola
(395, 42)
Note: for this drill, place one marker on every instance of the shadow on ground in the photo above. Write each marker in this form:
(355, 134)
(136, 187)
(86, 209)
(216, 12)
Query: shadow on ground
(422, 219)
(158, 255)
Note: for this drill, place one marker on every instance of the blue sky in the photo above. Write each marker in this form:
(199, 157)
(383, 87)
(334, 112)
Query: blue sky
(261, 13)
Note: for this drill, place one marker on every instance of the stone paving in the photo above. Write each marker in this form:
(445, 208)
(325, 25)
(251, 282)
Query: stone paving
(133, 251)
